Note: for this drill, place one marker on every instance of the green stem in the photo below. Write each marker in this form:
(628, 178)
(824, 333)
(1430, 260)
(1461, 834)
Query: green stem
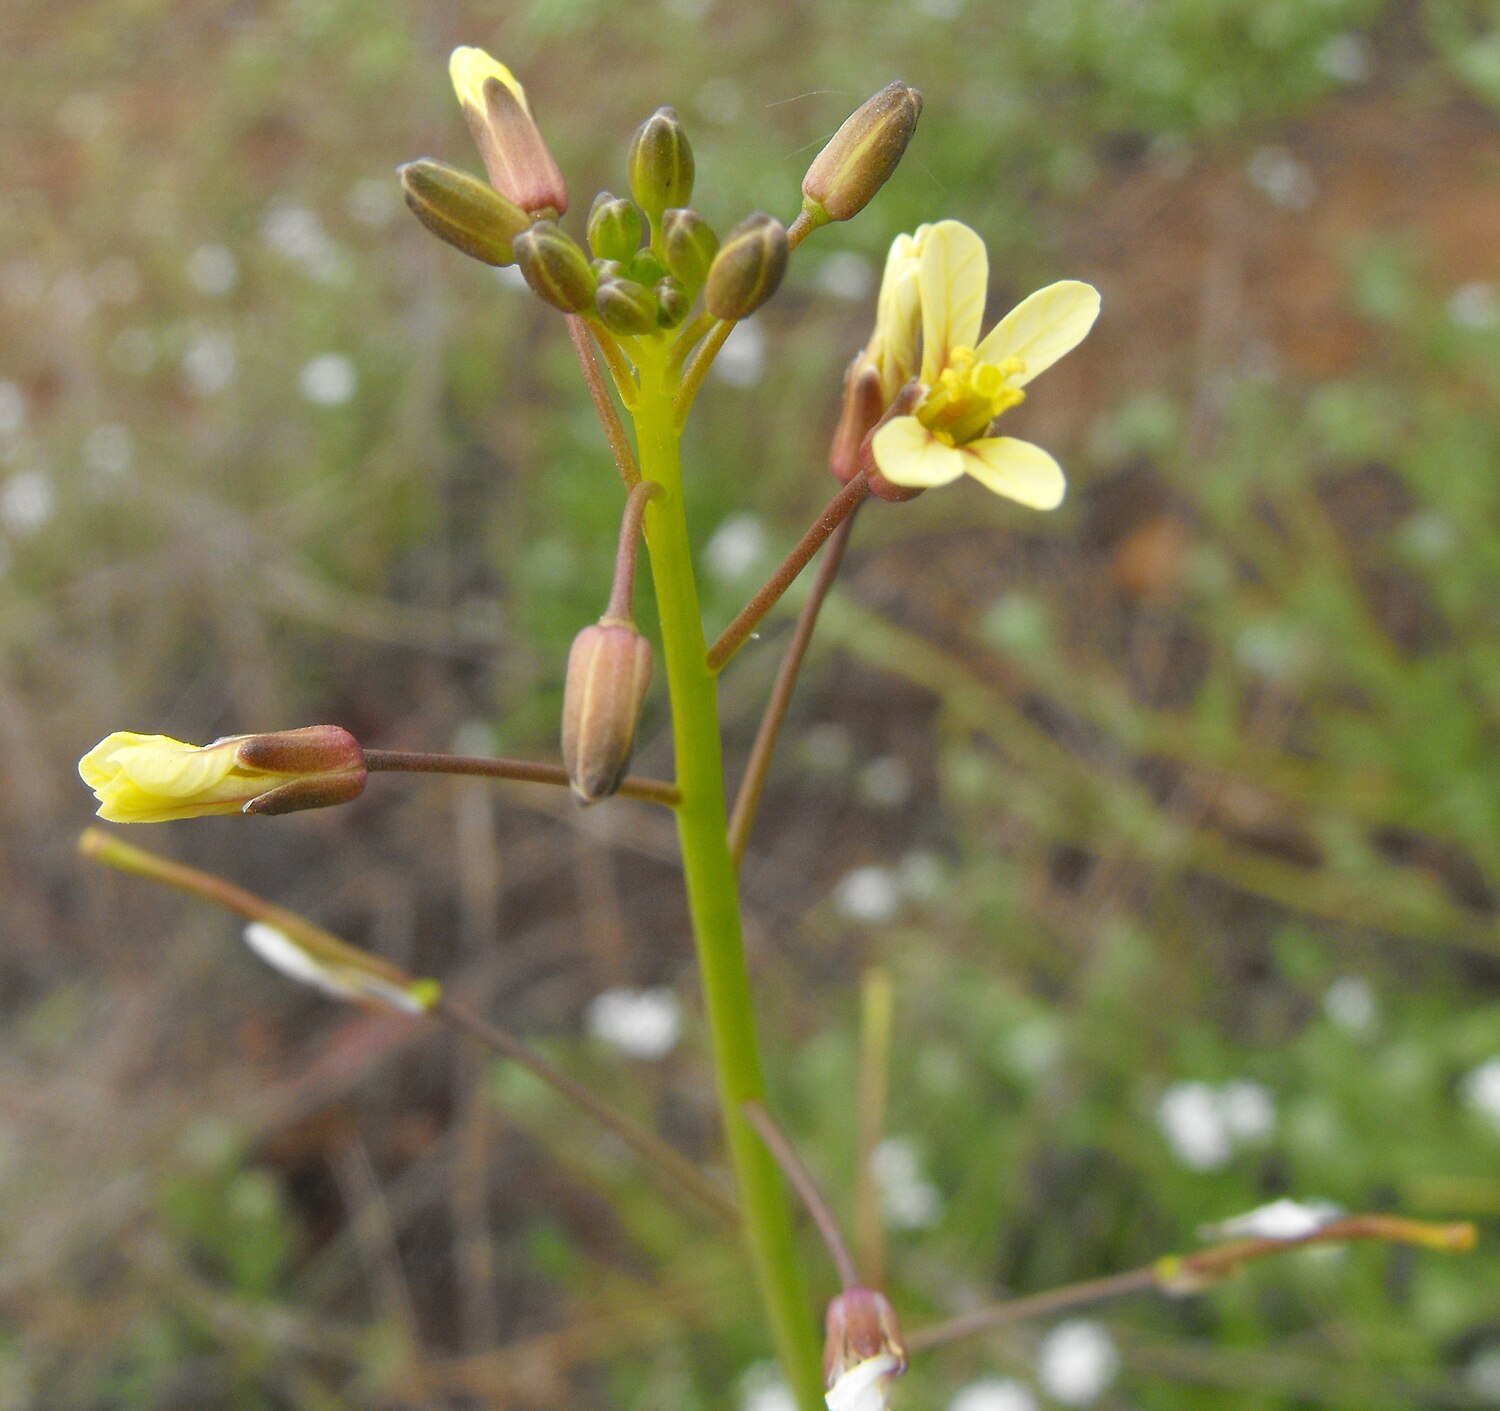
(713, 893)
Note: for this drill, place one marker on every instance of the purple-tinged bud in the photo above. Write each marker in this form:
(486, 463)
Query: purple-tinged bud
(907, 400)
(863, 1351)
(519, 164)
(660, 164)
(748, 268)
(609, 669)
(462, 210)
(864, 401)
(615, 228)
(555, 267)
(861, 155)
(673, 303)
(625, 306)
(689, 244)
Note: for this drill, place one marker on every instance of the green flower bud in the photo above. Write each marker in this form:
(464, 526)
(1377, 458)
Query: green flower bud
(462, 210)
(608, 269)
(660, 164)
(861, 155)
(645, 268)
(555, 267)
(625, 306)
(609, 669)
(689, 243)
(673, 303)
(748, 268)
(615, 228)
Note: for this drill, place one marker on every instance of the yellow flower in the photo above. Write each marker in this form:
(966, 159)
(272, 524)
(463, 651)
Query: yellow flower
(153, 778)
(964, 382)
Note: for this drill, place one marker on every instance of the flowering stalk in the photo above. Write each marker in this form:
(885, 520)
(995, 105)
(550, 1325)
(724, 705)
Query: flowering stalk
(712, 885)
(389, 987)
(1193, 1273)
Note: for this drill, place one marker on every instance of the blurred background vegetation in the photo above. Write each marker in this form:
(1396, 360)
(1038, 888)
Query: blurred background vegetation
(1175, 816)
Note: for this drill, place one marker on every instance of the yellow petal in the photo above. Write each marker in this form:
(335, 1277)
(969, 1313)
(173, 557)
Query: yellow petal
(1041, 328)
(1016, 469)
(470, 69)
(895, 345)
(953, 275)
(909, 454)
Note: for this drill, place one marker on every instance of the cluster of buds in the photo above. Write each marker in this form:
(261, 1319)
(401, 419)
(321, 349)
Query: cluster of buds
(649, 257)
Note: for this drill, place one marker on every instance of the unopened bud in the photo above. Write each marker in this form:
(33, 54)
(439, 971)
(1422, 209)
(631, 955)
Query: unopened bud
(673, 303)
(689, 244)
(519, 164)
(555, 267)
(327, 761)
(864, 1350)
(462, 210)
(862, 154)
(660, 164)
(609, 669)
(645, 268)
(907, 400)
(748, 268)
(625, 306)
(615, 228)
(862, 406)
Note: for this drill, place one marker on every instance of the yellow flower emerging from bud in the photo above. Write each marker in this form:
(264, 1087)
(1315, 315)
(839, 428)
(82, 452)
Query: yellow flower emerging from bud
(609, 669)
(520, 166)
(863, 1353)
(862, 154)
(965, 382)
(154, 779)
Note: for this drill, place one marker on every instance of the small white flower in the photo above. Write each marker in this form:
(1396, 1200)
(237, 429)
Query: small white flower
(1350, 1003)
(742, 359)
(1282, 177)
(865, 1386)
(1482, 1375)
(735, 547)
(1190, 1118)
(1076, 1362)
(27, 501)
(1249, 1110)
(210, 363)
(1481, 1089)
(868, 895)
(762, 1389)
(846, 274)
(211, 269)
(1280, 1220)
(329, 380)
(1474, 305)
(994, 1394)
(107, 450)
(640, 1023)
(910, 1201)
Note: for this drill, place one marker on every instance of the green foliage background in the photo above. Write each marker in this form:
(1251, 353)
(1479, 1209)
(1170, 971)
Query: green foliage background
(1214, 741)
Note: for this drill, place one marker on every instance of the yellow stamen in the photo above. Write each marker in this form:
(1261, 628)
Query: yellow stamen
(968, 396)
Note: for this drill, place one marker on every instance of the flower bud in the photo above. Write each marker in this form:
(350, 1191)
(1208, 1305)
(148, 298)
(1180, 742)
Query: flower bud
(748, 268)
(615, 228)
(863, 404)
(689, 244)
(660, 164)
(609, 669)
(456, 207)
(861, 155)
(625, 306)
(519, 164)
(906, 401)
(863, 1352)
(313, 957)
(153, 778)
(555, 267)
(673, 303)
(645, 268)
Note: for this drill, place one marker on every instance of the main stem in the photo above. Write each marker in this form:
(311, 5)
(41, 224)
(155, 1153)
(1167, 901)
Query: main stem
(713, 891)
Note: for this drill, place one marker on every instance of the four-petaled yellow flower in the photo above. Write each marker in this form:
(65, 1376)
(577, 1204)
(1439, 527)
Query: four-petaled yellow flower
(154, 778)
(936, 280)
